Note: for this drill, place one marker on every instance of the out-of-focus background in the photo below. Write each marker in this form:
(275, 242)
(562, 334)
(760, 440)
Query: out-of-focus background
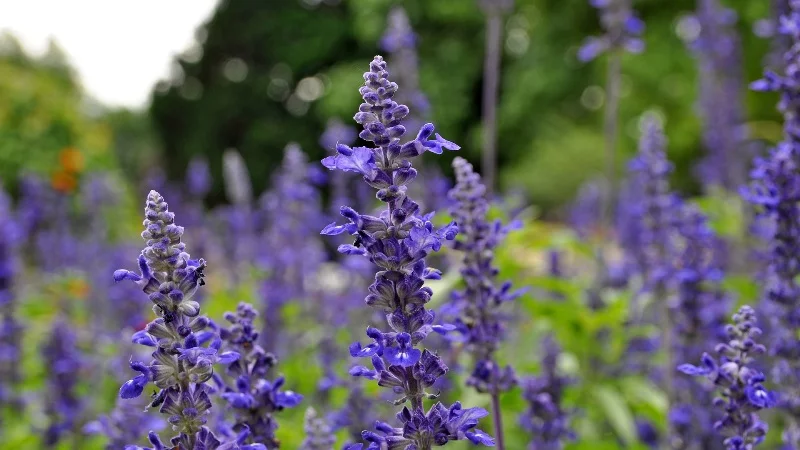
(226, 108)
(144, 87)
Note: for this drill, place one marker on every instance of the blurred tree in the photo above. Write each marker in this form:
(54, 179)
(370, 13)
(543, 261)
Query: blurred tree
(250, 83)
(43, 115)
(265, 73)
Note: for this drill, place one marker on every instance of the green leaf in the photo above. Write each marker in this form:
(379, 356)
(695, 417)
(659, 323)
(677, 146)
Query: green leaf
(646, 392)
(617, 412)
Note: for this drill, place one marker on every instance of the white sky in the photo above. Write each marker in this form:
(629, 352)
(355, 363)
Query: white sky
(119, 48)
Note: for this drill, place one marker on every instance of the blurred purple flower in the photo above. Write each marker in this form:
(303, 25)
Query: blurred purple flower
(622, 29)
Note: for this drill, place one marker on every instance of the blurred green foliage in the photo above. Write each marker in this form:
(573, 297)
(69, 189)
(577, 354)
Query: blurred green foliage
(240, 86)
(42, 113)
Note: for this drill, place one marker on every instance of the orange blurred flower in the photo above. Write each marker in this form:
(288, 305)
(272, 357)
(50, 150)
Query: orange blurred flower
(63, 181)
(78, 288)
(71, 160)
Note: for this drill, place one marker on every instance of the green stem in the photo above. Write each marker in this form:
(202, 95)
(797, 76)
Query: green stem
(491, 81)
(497, 415)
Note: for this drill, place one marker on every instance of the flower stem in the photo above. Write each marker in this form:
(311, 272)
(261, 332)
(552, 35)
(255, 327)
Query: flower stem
(491, 78)
(610, 126)
(497, 416)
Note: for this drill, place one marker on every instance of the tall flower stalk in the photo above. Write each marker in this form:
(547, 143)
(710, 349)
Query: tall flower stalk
(294, 210)
(397, 242)
(741, 392)
(494, 11)
(10, 328)
(775, 191)
(63, 406)
(481, 318)
(319, 435)
(652, 208)
(253, 398)
(719, 56)
(698, 307)
(622, 33)
(546, 419)
(181, 363)
(400, 43)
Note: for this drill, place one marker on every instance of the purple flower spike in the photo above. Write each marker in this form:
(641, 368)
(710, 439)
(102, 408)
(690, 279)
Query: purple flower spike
(775, 192)
(397, 242)
(481, 302)
(742, 394)
(253, 398)
(182, 363)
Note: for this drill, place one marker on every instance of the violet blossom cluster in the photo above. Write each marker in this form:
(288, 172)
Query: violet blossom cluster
(397, 242)
(64, 362)
(400, 43)
(698, 307)
(481, 318)
(293, 207)
(319, 435)
(622, 29)
(10, 328)
(546, 419)
(742, 394)
(253, 398)
(652, 205)
(775, 191)
(719, 56)
(124, 424)
(181, 363)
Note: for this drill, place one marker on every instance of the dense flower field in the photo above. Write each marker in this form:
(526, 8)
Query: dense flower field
(367, 302)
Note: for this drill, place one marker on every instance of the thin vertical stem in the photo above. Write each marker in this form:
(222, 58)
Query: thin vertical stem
(611, 123)
(491, 81)
(497, 417)
(669, 369)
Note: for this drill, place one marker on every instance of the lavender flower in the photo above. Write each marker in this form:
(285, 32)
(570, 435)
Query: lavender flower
(652, 209)
(335, 133)
(253, 398)
(649, 172)
(719, 56)
(400, 42)
(291, 256)
(775, 191)
(480, 304)
(586, 211)
(546, 419)
(198, 177)
(206, 440)
(181, 365)
(125, 424)
(698, 310)
(319, 435)
(64, 362)
(740, 385)
(398, 242)
(357, 411)
(10, 328)
(622, 28)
